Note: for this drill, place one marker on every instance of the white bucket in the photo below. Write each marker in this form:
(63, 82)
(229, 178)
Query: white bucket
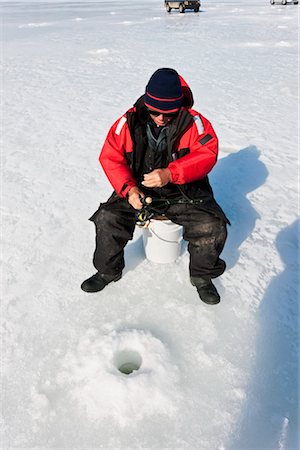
(162, 241)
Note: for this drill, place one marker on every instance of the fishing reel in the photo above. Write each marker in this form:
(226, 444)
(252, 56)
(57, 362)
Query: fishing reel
(145, 214)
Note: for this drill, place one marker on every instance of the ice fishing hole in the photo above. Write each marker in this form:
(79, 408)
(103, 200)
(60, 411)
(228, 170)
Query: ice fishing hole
(128, 361)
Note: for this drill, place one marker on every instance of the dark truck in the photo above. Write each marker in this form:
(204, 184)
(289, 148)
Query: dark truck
(283, 2)
(182, 5)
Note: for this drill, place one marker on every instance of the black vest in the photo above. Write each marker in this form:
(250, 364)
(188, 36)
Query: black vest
(150, 151)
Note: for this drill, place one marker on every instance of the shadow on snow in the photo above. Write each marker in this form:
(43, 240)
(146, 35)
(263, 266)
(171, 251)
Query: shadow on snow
(271, 416)
(233, 177)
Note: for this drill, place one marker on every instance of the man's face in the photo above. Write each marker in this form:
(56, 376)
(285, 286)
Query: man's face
(161, 120)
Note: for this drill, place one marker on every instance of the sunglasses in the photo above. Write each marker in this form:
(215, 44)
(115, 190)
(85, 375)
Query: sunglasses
(157, 113)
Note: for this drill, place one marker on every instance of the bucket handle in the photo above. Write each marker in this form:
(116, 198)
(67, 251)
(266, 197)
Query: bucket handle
(162, 239)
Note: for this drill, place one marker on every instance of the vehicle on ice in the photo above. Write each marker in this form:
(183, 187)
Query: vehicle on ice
(283, 2)
(182, 5)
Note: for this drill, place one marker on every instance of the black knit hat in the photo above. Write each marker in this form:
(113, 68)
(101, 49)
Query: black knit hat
(163, 91)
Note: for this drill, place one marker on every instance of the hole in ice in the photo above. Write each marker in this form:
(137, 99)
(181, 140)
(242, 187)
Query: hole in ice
(127, 361)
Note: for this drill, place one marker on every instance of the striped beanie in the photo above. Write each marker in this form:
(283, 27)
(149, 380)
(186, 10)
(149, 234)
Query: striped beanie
(163, 91)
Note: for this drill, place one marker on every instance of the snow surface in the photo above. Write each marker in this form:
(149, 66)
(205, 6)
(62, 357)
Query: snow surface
(223, 377)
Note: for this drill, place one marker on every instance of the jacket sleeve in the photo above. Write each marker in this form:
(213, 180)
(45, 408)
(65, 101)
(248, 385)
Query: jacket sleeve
(112, 157)
(201, 142)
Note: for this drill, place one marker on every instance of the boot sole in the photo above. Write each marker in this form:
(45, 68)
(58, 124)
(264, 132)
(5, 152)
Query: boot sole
(214, 302)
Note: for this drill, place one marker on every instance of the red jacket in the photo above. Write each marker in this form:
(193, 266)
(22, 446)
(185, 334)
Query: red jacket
(194, 149)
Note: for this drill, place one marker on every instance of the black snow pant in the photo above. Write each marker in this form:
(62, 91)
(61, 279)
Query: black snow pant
(115, 222)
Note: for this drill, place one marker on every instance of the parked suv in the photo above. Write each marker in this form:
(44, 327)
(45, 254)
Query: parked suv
(283, 2)
(182, 5)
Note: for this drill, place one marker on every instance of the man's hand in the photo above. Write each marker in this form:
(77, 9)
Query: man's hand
(157, 178)
(134, 197)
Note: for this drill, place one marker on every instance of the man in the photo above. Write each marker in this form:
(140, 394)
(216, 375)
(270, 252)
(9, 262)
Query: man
(163, 149)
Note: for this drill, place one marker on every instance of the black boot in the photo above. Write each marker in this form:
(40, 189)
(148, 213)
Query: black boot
(98, 282)
(206, 290)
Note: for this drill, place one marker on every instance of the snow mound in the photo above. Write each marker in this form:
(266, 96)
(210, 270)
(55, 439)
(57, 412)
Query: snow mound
(93, 378)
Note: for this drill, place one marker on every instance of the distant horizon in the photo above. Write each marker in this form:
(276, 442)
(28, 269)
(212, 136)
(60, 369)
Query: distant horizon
(130, 1)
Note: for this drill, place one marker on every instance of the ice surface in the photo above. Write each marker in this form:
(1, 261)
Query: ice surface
(223, 377)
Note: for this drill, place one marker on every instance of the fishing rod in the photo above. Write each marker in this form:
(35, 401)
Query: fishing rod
(152, 207)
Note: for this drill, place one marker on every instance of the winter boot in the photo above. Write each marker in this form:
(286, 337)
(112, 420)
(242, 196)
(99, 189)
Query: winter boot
(98, 282)
(206, 290)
